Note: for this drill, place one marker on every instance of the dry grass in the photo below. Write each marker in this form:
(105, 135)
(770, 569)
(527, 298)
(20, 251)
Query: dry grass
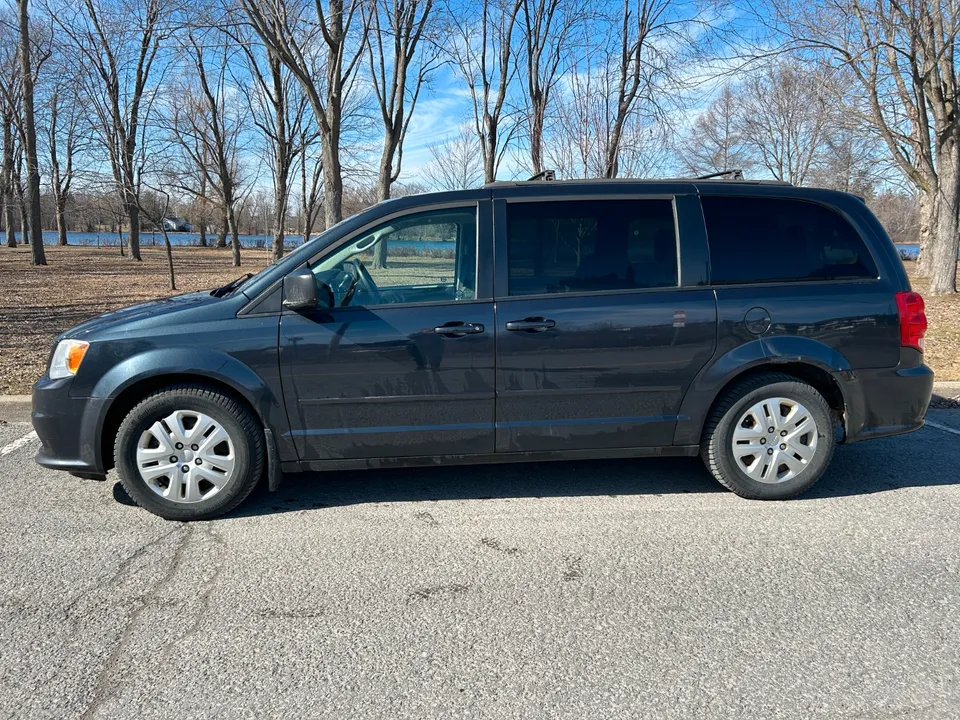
(38, 303)
(80, 282)
(942, 342)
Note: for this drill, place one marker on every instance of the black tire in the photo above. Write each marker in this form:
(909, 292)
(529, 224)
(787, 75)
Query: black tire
(716, 445)
(243, 427)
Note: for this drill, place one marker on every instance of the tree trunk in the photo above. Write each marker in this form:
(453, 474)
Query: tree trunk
(539, 111)
(332, 182)
(133, 229)
(24, 220)
(928, 231)
(203, 210)
(8, 224)
(234, 236)
(30, 136)
(222, 229)
(166, 241)
(120, 237)
(6, 180)
(943, 252)
(384, 182)
(61, 220)
(279, 206)
(490, 150)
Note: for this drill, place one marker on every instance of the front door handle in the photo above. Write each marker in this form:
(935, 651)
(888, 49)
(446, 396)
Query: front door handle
(459, 329)
(531, 324)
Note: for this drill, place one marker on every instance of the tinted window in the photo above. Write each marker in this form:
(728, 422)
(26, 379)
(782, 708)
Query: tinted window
(427, 257)
(557, 247)
(769, 240)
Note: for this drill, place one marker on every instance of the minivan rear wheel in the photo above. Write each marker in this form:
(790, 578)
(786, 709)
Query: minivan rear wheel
(189, 453)
(769, 437)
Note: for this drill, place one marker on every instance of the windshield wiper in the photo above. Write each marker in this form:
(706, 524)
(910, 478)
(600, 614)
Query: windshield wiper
(231, 286)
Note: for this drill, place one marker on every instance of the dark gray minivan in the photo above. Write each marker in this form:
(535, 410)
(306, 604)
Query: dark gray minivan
(753, 323)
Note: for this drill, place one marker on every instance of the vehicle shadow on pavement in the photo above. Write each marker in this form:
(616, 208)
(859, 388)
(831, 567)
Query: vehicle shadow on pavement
(483, 482)
(915, 460)
(861, 469)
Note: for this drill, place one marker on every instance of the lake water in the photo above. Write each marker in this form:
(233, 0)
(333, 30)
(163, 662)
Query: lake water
(108, 239)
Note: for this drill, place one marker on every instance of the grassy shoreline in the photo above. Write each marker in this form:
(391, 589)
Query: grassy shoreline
(80, 282)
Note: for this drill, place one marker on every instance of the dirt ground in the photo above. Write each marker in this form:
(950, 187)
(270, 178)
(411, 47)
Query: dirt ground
(37, 303)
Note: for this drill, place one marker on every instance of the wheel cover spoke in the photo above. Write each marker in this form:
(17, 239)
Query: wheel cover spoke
(186, 457)
(775, 440)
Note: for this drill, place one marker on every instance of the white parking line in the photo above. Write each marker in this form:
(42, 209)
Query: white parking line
(938, 426)
(17, 444)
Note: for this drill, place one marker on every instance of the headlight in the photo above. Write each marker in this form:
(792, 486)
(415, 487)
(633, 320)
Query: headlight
(67, 358)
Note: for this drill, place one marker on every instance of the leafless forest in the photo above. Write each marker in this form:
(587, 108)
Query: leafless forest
(292, 114)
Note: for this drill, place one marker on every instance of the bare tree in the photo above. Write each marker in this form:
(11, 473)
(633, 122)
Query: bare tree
(292, 31)
(278, 107)
(548, 29)
(716, 140)
(484, 52)
(20, 192)
(155, 206)
(786, 113)
(119, 42)
(311, 184)
(902, 56)
(457, 163)
(9, 117)
(645, 26)
(208, 126)
(611, 114)
(398, 69)
(61, 167)
(28, 78)
(6, 178)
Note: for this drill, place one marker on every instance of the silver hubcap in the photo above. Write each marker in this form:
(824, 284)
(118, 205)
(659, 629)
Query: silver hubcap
(186, 457)
(775, 440)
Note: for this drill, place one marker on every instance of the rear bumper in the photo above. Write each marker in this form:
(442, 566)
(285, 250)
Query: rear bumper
(886, 402)
(68, 428)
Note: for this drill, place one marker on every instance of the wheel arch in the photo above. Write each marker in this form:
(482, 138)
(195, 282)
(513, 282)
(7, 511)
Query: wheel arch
(807, 360)
(146, 374)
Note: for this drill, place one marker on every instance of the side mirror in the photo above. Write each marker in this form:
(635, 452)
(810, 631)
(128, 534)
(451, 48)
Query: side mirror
(300, 290)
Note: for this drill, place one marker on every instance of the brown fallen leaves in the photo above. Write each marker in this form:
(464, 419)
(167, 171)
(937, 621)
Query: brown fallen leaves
(38, 303)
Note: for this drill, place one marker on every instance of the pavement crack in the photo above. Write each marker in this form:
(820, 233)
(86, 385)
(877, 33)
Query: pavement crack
(118, 574)
(106, 684)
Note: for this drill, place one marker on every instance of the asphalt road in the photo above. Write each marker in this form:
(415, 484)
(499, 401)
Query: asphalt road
(581, 590)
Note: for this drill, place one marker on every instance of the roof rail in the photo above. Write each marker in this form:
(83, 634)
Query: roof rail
(732, 174)
(545, 175)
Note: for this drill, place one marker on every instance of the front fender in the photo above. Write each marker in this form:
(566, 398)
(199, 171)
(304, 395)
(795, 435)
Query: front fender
(761, 352)
(184, 362)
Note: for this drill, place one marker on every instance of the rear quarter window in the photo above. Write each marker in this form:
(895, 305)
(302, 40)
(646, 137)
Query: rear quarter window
(777, 239)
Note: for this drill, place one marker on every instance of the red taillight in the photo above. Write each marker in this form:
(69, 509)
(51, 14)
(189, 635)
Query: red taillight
(913, 320)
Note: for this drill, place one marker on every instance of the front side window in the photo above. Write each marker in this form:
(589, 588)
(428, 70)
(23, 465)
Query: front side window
(427, 257)
(590, 246)
(776, 239)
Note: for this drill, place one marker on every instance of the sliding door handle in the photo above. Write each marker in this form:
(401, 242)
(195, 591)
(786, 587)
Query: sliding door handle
(531, 324)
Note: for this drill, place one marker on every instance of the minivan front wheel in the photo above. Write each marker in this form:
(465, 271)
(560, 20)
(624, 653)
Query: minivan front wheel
(769, 437)
(189, 453)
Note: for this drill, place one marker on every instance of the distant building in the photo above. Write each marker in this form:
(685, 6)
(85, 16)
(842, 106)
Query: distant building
(175, 224)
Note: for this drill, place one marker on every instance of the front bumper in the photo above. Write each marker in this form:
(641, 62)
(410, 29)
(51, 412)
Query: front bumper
(68, 428)
(889, 401)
